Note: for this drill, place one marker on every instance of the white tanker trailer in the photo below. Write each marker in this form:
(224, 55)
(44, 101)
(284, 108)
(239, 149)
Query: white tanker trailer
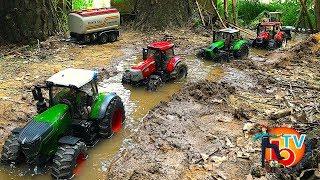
(95, 24)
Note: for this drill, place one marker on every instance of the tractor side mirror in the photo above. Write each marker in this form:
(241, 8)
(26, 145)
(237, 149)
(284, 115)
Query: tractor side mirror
(145, 53)
(37, 94)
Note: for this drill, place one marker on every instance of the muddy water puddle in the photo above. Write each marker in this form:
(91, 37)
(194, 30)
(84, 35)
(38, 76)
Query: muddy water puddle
(137, 102)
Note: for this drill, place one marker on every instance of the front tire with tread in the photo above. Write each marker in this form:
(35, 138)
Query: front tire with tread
(65, 160)
(11, 152)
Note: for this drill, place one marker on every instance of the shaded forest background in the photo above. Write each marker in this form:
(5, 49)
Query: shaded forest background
(25, 21)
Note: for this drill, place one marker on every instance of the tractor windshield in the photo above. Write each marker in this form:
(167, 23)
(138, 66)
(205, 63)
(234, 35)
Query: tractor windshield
(221, 36)
(59, 94)
(151, 52)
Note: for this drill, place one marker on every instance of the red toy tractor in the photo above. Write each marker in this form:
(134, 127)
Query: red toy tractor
(270, 35)
(159, 65)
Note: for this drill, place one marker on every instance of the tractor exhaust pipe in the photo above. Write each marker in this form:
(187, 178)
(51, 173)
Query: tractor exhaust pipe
(37, 95)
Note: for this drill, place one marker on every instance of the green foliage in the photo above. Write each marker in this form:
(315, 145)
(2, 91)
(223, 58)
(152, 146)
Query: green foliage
(81, 4)
(248, 10)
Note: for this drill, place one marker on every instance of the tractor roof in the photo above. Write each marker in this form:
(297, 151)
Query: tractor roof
(162, 45)
(73, 77)
(229, 30)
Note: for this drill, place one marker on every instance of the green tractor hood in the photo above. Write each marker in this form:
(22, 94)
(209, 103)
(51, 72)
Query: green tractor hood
(212, 50)
(238, 44)
(54, 115)
(38, 133)
(218, 44)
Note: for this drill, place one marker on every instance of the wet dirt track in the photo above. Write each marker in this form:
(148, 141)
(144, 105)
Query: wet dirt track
(216, 104)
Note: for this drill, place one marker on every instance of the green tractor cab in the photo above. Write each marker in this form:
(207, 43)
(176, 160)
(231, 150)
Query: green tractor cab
(72, 116)
(227, 43)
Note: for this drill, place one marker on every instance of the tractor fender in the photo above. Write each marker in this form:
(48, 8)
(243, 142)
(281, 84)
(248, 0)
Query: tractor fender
(172, 63)
(16, 130)
(238, 44)
(70, 140)
(101, 104)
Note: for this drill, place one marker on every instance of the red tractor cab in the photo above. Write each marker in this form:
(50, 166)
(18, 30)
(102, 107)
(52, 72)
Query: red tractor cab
(159, 65)
(270, 35)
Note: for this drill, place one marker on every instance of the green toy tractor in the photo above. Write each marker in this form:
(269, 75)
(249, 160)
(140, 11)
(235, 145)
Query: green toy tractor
(227, 43)
(72, 115)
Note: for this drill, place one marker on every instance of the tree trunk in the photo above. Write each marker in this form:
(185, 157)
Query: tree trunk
(162, 13)
(25, 21)
(317, 11)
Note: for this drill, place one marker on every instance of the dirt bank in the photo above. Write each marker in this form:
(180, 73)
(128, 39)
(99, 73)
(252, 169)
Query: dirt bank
(200, 132)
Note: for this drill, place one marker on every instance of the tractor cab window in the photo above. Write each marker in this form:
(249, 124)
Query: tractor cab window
(221, 36)
(151, 52)
(59, 94)
(168, 54)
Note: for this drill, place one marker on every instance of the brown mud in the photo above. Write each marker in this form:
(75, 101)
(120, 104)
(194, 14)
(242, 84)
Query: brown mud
(191, 129)
(201, 132)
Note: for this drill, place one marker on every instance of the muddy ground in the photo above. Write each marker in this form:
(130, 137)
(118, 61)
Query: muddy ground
(201, 132)
(22, 67)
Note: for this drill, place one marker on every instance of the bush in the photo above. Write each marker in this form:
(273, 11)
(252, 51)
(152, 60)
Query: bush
(81, 4)
(249, 10)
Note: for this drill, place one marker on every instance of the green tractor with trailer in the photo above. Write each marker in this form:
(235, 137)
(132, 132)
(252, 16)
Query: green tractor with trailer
(72, 115)
(227, 43)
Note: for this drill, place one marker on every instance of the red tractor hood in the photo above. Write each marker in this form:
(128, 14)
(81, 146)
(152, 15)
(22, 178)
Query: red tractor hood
(144, 64)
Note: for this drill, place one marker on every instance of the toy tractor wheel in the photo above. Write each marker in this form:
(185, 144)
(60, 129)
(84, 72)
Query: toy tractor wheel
(200, 53)
(180, 71)
(223, 56)
(11, 150)
(154, 82)
(284, 43)
(113, 119)
(68, 160)
(242, 52)
(103, 38)
(113, 37)
(271, 44)
(126, 79)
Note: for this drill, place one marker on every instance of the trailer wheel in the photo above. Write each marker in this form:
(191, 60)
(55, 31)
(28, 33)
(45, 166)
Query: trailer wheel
(103, 38)
(113, 37)
(113, 119)
(68, 160)
(11, 152)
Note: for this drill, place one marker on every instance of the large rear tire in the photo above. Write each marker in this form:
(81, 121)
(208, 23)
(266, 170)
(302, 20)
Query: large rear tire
(11, 152)
(180, 71)
(68, 160)
(242, 52)
(113, 119)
